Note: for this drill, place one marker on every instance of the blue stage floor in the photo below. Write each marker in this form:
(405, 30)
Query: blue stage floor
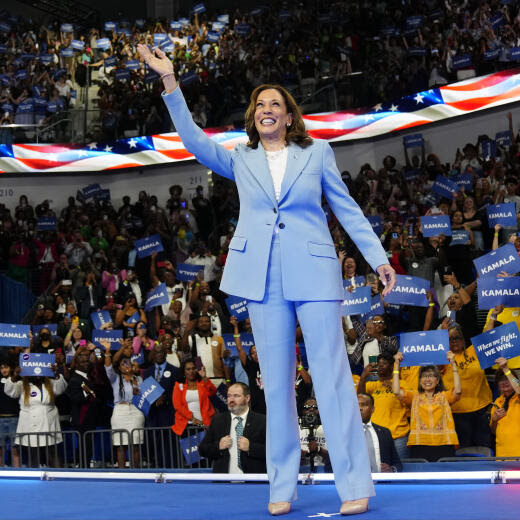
(130, 500)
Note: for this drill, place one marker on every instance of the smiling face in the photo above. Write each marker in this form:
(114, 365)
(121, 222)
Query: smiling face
(271, 117)
(428, 380)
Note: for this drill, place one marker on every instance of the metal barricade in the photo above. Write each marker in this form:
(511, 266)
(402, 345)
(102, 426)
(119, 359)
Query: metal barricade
(98, 448)
(159, 449)
(48, 449)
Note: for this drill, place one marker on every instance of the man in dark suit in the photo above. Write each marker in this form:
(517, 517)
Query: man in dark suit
(162, 415)
(235, 441)
(381, 449)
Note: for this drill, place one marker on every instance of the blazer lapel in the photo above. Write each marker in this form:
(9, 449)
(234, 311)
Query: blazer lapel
(256, 162)
(297, 158)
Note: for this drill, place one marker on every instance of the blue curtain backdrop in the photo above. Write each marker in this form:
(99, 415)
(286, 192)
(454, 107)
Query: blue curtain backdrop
(15, 300)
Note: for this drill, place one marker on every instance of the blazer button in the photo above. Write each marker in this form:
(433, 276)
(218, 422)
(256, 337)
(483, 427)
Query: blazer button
(274, 210)
(281, 225)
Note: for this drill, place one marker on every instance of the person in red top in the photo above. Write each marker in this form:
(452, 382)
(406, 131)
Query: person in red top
(191, 399)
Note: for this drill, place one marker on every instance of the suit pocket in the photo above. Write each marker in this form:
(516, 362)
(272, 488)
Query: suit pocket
(311, 171)
(238, 243)
(316, 249)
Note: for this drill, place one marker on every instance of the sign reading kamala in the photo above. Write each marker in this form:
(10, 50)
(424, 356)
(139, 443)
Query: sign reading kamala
(413, 141)
(409, 290)
(376, 223)
(503, 341)
(190, 447)
(356, 302)
(237, 307)
(114, 337)
(46, 223)
(503, 214)
(246, 338)
(459, 237)
(37, 365)
(376, 308)
(158, 296)
(149, 391)
(504, 258)
(495, 291)
(100, 318)
(188, 272)
(424, 348)
(12, 335)
(355, 281)
(436, 225)
(148, 245)
(445, 187)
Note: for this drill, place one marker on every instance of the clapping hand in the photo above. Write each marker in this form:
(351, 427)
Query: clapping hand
(157, 61)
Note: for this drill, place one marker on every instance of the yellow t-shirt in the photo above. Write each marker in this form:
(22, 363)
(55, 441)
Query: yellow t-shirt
(410, 378)
(355, 380)
(389, 411)
(508, 428)
(431, 422)
(476, 393)
(508, 315)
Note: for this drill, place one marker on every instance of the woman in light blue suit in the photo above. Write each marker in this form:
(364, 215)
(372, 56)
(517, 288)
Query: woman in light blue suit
(282, 259)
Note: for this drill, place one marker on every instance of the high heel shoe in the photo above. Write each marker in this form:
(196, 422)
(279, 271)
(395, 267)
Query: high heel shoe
(354, 507)
(279, 508)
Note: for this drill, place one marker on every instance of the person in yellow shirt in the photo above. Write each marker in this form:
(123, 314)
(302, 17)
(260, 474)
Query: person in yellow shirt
(502, 315)
(432, 429)
(389, 411)
(470, 412)
(505, 415)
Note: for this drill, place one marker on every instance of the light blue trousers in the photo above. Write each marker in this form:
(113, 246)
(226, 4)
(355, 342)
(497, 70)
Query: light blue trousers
(274, 327)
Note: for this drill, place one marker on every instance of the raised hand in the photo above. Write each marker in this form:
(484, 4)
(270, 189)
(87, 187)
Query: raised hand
(157, 60)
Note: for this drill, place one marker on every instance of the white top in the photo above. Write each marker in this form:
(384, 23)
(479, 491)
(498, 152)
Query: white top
(277, 162)
(204, 350)
(192, 400)
(319, 437)
(371, 348)
(233, 453)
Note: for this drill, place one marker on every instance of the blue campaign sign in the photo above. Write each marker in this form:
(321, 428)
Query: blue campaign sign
(444, 187)
(199, 8)
(376, 223)
(175, 25)
(103, 194)
(464, 180)
(242, 29)
(12, 335)
(158, 296)
(492, 54)
(99, 318)
(489, 149)
(66, 27)
(213, 37)
(148, 245)
(188, 77)
(67, 53)
(436, 225)
(140, 22)
(151, 77)
(91, 191)
(110, 26)
(103, 43)
(413, 141)
(77, 45)
(132, 64)
(237, 307)
(504, 258)
(46, 223)
(114, 337)
(497, 20)
(503, 214)
(122, 74)
(149, 391)
(38, 365)
(410, 175)
(409, 290)
(459, 62)
(184, 22)
(459, 237)
(504, 138)
(134, 318)
(414, 22)
(424, 348)
(495, 291)
(417, 51)
(111, 61)
(514, 54)
(224, 18)
(218, 26)
(246, 338)
(159, 37)
(356, 281)
(4, 27)
(356, 302)
(53, 328)
(188, 272)
(190, 447)
(376, 308)
(219, 400)
(138, 358)
(503, 341)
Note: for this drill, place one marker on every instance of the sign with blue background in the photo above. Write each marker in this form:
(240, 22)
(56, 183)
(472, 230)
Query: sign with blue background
(113, 337)
(409, 290)
(436, 225)
(496, 291)
(424, 348)
(156, 297)
(13, 335)
(503, 214)
(503, 341)
(504, 258)
(237, 307)
(188, 272)
(37, 365)
(148, 245)
(149, 391)
(356, 302)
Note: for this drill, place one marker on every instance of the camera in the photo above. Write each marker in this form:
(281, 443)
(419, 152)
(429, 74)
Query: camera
(310, 420)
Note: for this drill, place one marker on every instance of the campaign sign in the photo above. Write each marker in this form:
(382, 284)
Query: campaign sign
(495, 291)
(219, 400)
(417, 51)
(66, 27)
(459, 62)
(356, 302)
(4, 27)
(224, 18)
(218, 26)
(12, 335)
(77, 45)
(157, 296)
(39, 365)
(199, 8)
(159, 37)
(149, 391)
(184, 22)
(103, 43)
(459, 237)
(489, 149)
(355, 281)
(514, 54)
(67, 53)
(122, 74)
(91, 190)
(237, 307)
(504, 258)
(103, 194)
(376, 223)
(138, 358)
(246, 338)
(111, 61)
(213, 37)
(444, 187)
(53, 328)
(414, 22)
(504, 138)
(112, 336)
(132, 64)
(413, 141)
(376, 308)
(409, 290)
(46, 223)
(424, 348)
(99, 318)
(242, 29)
(110, 26)
(148, 245)
(190, 447)
(464, 180)
(410, 175)
(503, 214)
(188, 272)
(436, 225)
(176, 26)
(492, 54)
(503, 341)
(134, 318)
(151, 77)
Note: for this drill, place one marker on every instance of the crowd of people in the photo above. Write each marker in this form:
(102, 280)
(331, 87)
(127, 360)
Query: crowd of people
(220, 58)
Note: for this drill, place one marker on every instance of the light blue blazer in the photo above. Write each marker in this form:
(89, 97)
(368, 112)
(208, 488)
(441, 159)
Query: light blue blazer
(310, 267)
